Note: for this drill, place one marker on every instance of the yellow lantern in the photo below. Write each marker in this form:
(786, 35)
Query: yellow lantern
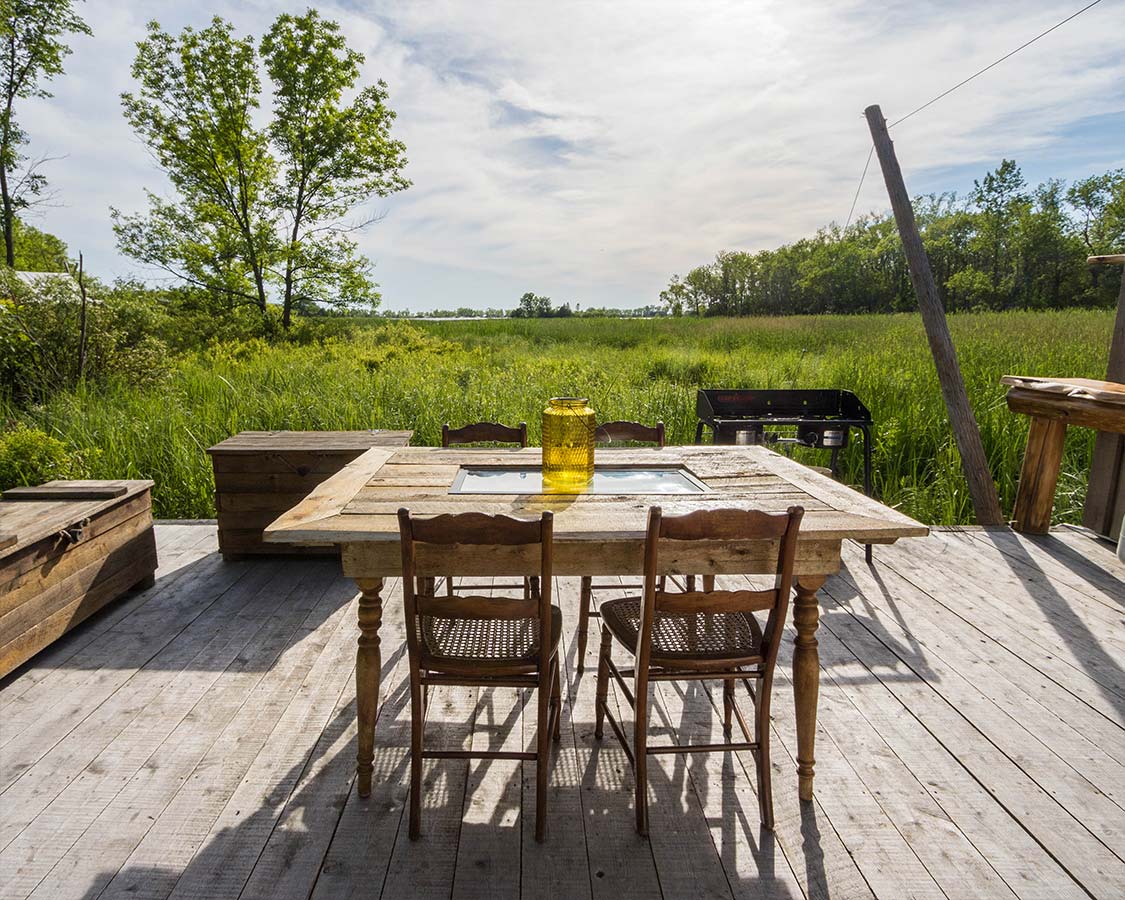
(568, 445)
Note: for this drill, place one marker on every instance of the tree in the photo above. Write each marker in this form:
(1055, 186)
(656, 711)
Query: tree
(999, 198)
(332, 156)
(532, 306)
(260, 207)
(1092, 198)
(32, 53)
(674, 296)
(37, 251)
(195, 109)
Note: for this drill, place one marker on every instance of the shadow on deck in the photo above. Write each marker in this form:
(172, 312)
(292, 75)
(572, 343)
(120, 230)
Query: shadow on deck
(198, 740)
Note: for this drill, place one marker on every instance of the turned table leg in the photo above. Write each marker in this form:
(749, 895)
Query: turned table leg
(368, 665)
(806, 678)
(1035, 495)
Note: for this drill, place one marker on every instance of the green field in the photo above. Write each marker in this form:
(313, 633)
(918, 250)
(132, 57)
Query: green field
(397, 375)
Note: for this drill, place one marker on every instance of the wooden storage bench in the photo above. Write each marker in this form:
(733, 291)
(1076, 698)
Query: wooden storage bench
(261, 474)
(67, 548)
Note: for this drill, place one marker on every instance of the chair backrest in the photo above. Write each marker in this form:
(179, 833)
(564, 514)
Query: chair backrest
(480, 530)
(632, 432)
(722, 525)
(484, 432)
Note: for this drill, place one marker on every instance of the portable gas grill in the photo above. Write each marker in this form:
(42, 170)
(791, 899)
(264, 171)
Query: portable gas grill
(821, 420)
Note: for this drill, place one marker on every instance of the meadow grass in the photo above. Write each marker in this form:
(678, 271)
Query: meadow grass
(396, 375)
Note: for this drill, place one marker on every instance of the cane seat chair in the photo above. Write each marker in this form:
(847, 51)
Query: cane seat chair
(482, 641)
(484, 433)
(700, 636)
(490, 433)
(611, 433)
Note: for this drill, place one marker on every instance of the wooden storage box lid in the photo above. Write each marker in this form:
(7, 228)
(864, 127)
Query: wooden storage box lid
(311, 441)
(28, 515)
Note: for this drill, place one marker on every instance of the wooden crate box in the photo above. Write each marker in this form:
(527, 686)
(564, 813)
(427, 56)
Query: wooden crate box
(67, 548)
(261, 474)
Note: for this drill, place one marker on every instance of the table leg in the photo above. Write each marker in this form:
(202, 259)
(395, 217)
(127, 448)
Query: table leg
(1035, 495)
(368, 664)
(806, 678)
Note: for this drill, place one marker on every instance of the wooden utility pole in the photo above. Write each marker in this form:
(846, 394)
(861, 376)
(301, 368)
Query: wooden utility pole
(982, 489)
(1105, 495)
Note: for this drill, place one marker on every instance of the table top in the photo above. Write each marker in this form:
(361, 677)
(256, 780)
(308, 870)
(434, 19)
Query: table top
(311, 441)
(359, 504)
(1071, 401)
(1076, 388)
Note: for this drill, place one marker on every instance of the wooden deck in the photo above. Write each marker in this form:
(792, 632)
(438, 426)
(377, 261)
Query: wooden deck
(198, 741)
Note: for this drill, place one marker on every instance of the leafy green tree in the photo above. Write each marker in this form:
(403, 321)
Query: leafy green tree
(260, 208)
(195, 110)
(999, 197)
(674, 297)
(333, 156)
(1099, 205)
(37, 251)
(532, 306)
(32, 51)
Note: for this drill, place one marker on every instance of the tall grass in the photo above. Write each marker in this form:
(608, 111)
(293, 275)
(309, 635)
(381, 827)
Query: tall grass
(401, 376)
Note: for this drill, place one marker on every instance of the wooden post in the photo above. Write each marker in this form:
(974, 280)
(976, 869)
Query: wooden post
(80, 277)
(82, 320)
(1107, 468)
(982, 489)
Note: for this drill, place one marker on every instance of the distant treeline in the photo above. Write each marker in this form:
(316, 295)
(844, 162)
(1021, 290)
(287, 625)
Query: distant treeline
(1004, 246)
(530, 306)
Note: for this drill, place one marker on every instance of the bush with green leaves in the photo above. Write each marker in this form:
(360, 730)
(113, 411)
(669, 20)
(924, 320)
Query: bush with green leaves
(40, 335)
(29, 456)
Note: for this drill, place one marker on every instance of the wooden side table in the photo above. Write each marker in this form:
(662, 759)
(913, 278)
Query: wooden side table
(1054, 404)
(261, 474)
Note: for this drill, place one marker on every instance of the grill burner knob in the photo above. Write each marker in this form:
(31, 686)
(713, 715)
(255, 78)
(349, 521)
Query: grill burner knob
(832, 438)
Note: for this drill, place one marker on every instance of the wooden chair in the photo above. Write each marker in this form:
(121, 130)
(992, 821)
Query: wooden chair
(700, 635)
(629, 432)
(484, 641)
(486, 433)
(610, 433)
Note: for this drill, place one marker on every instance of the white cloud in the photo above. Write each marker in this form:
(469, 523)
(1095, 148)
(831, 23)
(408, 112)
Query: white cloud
(587, 150)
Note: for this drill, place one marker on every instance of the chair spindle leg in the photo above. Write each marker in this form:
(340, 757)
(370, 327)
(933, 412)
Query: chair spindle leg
(603, 682)
(584, 596)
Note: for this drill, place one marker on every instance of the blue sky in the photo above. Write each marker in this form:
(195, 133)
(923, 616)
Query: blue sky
(588, 150)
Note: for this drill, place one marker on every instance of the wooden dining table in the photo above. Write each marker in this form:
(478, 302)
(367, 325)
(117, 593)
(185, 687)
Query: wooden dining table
(594, 534)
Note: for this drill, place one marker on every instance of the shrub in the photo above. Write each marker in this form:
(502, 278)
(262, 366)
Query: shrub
(40, 328)
(29, 456)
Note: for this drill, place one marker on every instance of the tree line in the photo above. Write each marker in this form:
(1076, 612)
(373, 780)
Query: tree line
(1003, 246)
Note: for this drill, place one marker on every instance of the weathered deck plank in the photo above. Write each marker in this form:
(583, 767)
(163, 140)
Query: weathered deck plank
(198, 740)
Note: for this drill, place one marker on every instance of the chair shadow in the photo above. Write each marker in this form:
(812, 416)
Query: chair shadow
(309, 824)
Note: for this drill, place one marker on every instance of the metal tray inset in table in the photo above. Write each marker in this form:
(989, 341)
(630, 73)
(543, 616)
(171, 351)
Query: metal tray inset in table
(607, 480)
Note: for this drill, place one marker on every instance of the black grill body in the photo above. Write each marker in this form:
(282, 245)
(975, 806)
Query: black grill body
(811, 418)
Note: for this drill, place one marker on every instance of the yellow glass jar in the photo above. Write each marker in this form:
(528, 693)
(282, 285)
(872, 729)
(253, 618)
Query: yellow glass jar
(568, 445)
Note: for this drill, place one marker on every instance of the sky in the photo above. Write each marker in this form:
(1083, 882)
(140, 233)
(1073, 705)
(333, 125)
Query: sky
(589, 150)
